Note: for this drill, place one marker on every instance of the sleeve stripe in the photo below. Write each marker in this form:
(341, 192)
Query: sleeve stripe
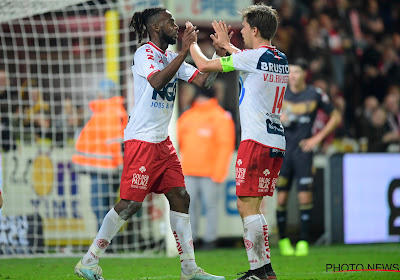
(194, 75)
(152, 73)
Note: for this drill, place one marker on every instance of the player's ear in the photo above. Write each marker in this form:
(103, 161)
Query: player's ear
(156, 26)
(255, 31)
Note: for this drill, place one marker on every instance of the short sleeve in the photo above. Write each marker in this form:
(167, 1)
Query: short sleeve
(243, 60)
(324, 102)
(187, 72)
(146, 62)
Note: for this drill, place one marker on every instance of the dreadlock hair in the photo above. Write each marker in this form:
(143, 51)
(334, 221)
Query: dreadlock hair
(141, 19)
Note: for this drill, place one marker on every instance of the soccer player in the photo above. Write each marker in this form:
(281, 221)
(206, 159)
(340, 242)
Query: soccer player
(299, 111)
(150, 160)
(264, 79)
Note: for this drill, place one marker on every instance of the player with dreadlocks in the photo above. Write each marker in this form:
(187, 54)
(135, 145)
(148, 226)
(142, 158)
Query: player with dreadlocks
(150, 160)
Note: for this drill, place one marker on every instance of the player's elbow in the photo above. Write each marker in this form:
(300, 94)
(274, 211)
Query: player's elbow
(204, 67)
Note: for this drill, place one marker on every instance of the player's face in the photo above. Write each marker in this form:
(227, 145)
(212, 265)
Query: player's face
(296, 75)
(168, 28)
(246, 34)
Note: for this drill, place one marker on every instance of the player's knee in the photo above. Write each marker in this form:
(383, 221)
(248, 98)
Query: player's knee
(305, 197)
(179, 199)
(282, 198)
(126, 208)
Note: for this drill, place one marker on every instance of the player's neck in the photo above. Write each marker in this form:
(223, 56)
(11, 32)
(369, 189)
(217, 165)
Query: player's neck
(159, 43)
(258, 42)
(299, 88)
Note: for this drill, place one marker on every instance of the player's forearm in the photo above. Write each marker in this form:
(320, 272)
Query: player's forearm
(160, 79)
(198, 57)
(231, 48)
(202, 62)
(333, 122)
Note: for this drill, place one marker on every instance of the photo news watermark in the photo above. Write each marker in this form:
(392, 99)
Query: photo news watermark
(350, 267)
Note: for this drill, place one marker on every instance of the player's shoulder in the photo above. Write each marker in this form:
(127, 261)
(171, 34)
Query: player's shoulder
(314, 89)
(142, 50)
(171, 53)
(320, 93)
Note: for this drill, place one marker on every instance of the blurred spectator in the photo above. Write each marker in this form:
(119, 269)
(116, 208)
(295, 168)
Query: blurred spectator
(392, 105)
(7, 139)
(378, 133)
(98, 148)
(335, 44)
(364, 116)
(68, 123)
(206, 137)
(36, 111)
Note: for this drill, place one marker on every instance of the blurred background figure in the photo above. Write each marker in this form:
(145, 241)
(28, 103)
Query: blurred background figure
(7, 139)
(35, 112)
(300, 106)
(1, 200)
(206, 137)
(69, 122)
(98, 148)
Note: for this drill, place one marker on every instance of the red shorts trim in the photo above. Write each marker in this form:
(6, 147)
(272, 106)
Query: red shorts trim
(149, 167)
(257, 169)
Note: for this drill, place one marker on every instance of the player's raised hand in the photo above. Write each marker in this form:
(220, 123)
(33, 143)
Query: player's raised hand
(219, 50)
(222, 35)
(189, 36)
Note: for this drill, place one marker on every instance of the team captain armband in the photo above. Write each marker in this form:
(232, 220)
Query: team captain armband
(227, 64)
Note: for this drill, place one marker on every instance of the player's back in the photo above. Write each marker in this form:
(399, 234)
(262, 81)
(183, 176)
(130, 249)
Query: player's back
(263, 84)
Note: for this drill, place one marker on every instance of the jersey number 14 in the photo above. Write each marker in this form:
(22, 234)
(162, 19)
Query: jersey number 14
(278, 100)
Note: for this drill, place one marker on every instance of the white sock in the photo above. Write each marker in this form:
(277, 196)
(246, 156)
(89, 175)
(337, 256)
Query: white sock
(180, 225)
(253, 237)
(111, 225)
(267, 256)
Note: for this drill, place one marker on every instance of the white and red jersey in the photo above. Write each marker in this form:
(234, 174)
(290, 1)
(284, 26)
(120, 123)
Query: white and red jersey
(152, 112)
(263, 82)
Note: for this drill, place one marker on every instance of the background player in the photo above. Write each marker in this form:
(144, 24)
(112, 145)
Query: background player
(299, 111)
(150, 160)
(262, 144)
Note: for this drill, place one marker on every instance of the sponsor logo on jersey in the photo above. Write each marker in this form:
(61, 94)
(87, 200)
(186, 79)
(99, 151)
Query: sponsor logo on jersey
(274, 67)
(140, 180)
(167, 93)
(268, 62)
(274, 128)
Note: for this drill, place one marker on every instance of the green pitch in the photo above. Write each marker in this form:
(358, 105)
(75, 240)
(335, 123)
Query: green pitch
(227, 262)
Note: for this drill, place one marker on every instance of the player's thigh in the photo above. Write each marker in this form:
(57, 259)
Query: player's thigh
(286, 174)
(303, 171)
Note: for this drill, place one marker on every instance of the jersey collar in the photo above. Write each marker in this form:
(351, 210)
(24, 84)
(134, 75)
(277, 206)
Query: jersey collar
(269, 47)
(157, 48)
